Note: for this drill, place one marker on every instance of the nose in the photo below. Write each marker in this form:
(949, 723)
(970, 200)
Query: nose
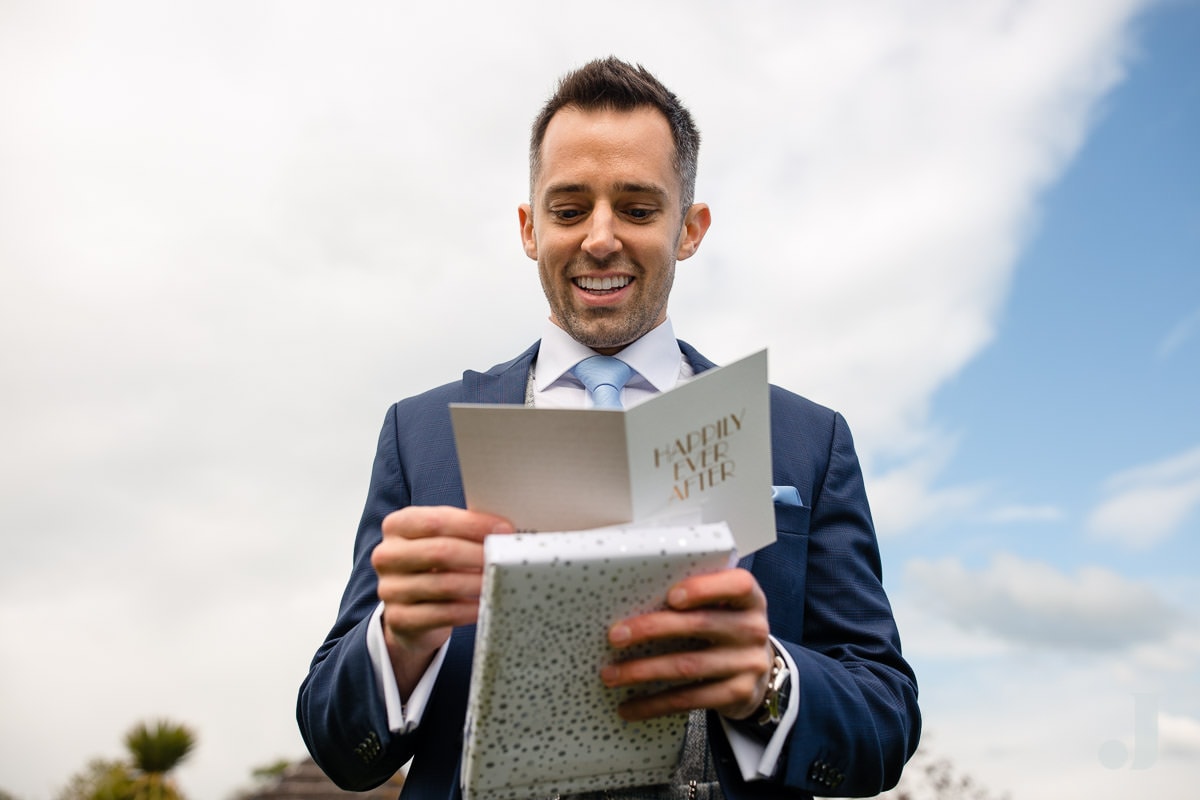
(601, 241)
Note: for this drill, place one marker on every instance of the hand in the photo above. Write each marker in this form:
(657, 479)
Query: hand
(430, 568)
(728, 611)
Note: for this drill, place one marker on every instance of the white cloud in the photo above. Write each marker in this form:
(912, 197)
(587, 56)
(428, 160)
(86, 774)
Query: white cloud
(929, 636)
(1033, 603)
(893, 283)
(1179, 736)
(1146, 505)
(1048, 720)
(908, 497)
(904, 498)
(1179, 653)
(1025, 513)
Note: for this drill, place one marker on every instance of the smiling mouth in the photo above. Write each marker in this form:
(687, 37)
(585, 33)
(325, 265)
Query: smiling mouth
(609, 284)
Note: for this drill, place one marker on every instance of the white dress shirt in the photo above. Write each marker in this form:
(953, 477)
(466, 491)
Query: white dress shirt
(658, 366)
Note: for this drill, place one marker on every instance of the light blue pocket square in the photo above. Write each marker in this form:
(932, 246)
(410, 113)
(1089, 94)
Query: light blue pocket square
(786, 495)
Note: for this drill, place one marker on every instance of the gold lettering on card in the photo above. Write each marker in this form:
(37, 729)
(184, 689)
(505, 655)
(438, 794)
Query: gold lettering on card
(700, 459)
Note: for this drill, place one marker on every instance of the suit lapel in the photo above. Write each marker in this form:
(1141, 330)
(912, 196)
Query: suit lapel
(502, 384)
(699, 363)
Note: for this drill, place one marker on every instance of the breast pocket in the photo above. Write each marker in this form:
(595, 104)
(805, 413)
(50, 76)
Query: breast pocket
(792, 519)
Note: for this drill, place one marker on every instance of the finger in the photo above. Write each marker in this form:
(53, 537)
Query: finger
(733, 698)
(409, 622)
(443, 553)
(690, 666)
(717, 626)
(731, 588)
(420, 610)
(419, 522)
(429, 587)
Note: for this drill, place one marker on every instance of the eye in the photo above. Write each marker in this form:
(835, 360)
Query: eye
(566, 214)
(639, 214)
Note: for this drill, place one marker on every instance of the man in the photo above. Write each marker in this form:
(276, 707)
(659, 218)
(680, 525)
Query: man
(800, 686)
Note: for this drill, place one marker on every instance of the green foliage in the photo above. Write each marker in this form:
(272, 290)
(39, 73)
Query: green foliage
(154, 751)
(160, 749)
(101, 779)
(268, 772)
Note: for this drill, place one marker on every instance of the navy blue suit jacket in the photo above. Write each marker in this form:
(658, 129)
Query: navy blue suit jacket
(857, 697)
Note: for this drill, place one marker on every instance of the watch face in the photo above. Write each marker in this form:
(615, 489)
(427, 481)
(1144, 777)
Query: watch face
(775, 700)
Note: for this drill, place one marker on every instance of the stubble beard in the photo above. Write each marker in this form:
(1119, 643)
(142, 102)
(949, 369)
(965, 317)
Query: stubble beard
(606, 328)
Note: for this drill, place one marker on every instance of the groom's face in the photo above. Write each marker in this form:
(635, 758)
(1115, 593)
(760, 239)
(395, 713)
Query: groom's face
(605, 223)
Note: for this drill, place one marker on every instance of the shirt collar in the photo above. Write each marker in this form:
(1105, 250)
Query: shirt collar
(655, 357)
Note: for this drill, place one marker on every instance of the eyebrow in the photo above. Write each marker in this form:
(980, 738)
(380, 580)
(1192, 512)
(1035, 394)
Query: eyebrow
(623, 188)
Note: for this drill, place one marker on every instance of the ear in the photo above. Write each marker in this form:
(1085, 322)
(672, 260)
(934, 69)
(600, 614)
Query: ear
(695, 225)
(528, 237)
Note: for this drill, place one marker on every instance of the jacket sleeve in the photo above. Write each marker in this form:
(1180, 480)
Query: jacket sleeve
(340, 709)
(858, 721)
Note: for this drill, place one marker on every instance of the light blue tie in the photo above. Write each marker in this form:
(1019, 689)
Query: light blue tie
(604, 377)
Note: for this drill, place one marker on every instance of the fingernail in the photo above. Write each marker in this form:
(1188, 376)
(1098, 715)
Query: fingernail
(502, 527)
(608, 675)
(619, 634)
(677, 597)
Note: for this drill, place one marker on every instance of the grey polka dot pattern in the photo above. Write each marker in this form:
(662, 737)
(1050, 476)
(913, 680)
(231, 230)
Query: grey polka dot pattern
(540, 723)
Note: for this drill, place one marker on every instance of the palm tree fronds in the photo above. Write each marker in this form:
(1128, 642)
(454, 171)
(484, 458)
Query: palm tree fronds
(159, 748)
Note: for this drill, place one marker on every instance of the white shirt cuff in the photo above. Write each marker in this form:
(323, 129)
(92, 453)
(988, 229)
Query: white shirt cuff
(401, 718)
(756, 760)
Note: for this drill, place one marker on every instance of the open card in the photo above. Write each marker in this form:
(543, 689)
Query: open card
(704, 445)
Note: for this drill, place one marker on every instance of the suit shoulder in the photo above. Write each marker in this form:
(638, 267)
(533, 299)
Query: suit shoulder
(799, 425)
(797, 407)
(436, 397)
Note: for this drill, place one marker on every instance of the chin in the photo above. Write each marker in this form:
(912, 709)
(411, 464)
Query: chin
(598, 340)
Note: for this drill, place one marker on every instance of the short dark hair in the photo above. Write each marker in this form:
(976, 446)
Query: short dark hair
(610, 83)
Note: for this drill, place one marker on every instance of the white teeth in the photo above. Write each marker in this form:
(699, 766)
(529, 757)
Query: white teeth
(602, 284)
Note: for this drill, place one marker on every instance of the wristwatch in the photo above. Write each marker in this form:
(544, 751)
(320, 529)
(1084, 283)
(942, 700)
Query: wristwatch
(774, 701)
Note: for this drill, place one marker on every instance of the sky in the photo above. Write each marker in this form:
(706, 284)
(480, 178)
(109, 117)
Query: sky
(231, 234)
